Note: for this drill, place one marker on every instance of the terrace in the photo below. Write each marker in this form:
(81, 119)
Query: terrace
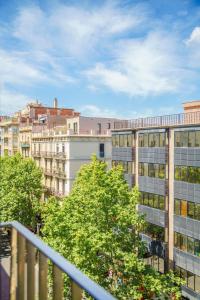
(182, 119)
(24, 263)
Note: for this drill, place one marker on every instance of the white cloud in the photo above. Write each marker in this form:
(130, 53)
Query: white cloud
(95, 111)
(194, 37)
(141, 67)
(11, 101)
(73, 30)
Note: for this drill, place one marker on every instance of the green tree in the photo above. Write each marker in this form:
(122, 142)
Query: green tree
(20, 190)
(97, 227)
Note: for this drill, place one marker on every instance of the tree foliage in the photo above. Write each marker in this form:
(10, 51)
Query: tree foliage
(20, 189)
(97, 227)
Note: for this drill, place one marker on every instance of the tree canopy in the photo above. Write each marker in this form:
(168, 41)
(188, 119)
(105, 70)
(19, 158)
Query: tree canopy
(97, 228)
(20, 189)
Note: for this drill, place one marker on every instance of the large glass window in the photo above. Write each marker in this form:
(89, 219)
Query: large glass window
(183, 242)
(151, 170)
(183, 208)
(197, 138)
(161, 171)
(197, 283)
(151, 140)
(141, 140)
(145, 169)
(190, 280)
(161, 202)
(162, 139)
(184, 138)
(197, 211)
(177, 139)
(145, 136)
(191, 139)
(191, 210)
(187, 174)
(177, 207)
(153, 200)
(129, 140)
(121, 140)
(190, 245)
(187, 138)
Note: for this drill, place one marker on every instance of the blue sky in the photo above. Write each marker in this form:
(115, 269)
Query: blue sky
(106, 58)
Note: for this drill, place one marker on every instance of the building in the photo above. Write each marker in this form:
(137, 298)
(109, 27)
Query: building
(16, 131)
(61, 153)
(90, 125)
(9, 127)
(161, 155)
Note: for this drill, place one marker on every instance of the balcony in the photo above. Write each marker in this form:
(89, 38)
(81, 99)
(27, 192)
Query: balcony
(60, 155)
(24, 269)
(59, 173)
(25, 145)
(36, 154)
(48, 172)
(47, 154)
(190, 118)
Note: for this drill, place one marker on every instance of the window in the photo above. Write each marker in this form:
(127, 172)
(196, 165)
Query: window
(145, 136)
(190, 280)
(129, 167)
(156, 139)
(161, 171)
(162, 139)
(162, 202)
(187, 138)
(151, 140)
(141, 140)
(187, 174)
(190, 245)
(191, 210)
(57, 148)
(145, 169)
(99, 128)
(121, 140)
(101, 150)
(177, 207)
(129, 140)
(63, 148)
(183, 208)
(177, 241)
(191, 139)
(183, 242)
(75, 127)
(63, 187)
(197, 139)
(151, 200)
(109, 125)
(197, 211)
(197, 283)
(156, 201)
(151, 170)
(141, 169)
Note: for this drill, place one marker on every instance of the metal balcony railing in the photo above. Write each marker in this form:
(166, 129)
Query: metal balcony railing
(29, 270)
(191, 118)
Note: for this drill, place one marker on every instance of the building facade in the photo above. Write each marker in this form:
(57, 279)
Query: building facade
(161, 155)
(61, 154)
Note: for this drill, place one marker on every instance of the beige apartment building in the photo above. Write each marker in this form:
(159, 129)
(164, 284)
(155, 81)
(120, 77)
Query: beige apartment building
(60, 154)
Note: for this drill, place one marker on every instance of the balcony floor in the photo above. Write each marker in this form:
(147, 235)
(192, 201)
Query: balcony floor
(4, 265)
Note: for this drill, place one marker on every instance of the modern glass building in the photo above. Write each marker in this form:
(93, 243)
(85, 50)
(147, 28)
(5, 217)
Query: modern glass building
(161, 155)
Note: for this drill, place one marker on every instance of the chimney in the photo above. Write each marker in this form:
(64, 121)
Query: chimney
(55, 103)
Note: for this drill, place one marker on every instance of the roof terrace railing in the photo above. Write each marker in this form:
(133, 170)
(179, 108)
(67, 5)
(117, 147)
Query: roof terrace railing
(29, 272)
(190, 118)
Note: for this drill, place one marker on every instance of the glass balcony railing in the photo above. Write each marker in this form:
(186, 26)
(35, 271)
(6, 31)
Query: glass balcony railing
(24, 263)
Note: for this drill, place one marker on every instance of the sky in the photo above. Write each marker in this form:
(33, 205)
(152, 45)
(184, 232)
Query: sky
(123, 59)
